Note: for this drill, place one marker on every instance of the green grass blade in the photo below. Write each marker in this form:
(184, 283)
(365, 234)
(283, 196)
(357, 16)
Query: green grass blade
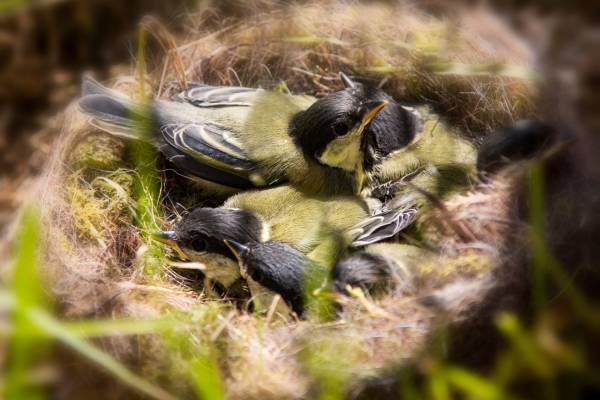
(207, 376)
(54, 328)
(125, 326)
(504, 70)
(147, 186)
(536, 220)
(24, 353)
(473, 385)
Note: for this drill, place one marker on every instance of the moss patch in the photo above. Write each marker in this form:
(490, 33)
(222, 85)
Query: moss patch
(97, 151)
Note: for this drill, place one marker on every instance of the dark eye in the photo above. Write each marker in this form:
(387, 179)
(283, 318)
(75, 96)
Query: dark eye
(198, 245)
(340, 128)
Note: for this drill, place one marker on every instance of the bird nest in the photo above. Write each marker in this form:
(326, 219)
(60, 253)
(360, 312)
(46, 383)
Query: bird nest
(101, 198)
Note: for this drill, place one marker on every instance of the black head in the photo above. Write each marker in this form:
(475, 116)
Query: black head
(278, 267)
(370, 272)
(520, 141)
(204, 229)
(336, 115)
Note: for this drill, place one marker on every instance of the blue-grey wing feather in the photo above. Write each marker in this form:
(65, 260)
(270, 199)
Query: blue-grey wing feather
(206, 142)
(384, 225)
(219, 96)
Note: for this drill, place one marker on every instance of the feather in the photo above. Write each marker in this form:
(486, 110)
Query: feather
(382, 226)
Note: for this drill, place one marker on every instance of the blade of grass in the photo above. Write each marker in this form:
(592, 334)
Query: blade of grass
(473, 385)
(25, 353)
(146, 190)
(95, 328)
(126, 326)
(311, 40)
(544, 263)
(207, 376)
(505, 70)
(55, 329)
(536, 220)
(524, 344)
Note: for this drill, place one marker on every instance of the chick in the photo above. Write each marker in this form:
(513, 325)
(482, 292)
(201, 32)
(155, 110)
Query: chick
(277, 269)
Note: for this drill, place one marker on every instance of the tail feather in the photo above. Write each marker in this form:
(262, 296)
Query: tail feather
(109, 114)
(90, 86)
(112, 111)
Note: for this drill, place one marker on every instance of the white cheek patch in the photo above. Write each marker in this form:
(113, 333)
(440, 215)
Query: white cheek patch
(343, 152)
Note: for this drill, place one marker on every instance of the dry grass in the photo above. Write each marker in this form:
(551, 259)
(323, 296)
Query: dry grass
(97, 256)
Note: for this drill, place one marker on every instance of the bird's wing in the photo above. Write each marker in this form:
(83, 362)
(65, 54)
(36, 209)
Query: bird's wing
(382, 226)
(224, 127)
(201, 170)
(218, 96)
(209, 144)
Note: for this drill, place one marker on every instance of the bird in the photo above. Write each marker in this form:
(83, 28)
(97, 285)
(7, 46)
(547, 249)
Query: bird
(240, 138)
(274, 269)
(438, 162)
(380, 268)
(322, 227)
(520, 141)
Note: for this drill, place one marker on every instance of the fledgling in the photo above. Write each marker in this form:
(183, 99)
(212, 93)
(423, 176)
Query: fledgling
(379, 269)
(520, 141)
(241, 138)
(274, 268)
(438, 161)
(320, 226)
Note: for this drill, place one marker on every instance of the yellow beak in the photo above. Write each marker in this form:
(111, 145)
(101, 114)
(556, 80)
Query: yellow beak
(168, 238)
(236, 248)
(377, 106)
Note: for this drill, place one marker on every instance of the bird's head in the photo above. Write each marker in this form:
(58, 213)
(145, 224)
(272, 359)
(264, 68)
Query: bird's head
(353, 128)
(370, 272)
(199, 236)
(277, 267)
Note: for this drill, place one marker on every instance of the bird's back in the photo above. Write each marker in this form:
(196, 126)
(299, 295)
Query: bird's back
(302, 219)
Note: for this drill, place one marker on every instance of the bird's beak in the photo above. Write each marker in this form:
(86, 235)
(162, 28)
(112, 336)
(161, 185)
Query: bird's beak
(236, 248)
(373, 108)
(348, 83)
(168, 238)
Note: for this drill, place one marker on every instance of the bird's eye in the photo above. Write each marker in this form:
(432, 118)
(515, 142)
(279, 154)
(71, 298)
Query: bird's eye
(340, 128)
(198, 245)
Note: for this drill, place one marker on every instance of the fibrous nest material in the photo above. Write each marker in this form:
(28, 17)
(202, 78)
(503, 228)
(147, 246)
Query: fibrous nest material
(100, 263)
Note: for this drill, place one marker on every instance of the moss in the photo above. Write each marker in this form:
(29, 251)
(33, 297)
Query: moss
(97, 151)
(467, 263)
(99, 189)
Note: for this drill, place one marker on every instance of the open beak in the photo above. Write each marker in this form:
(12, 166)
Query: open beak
(236, 248)
(168, 238)
(373, 108)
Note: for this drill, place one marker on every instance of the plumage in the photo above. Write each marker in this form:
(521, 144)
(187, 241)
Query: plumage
(243, 137)
(380, 268)
(438, 161)
(519, 141)
(321, 227)
(280, 269)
